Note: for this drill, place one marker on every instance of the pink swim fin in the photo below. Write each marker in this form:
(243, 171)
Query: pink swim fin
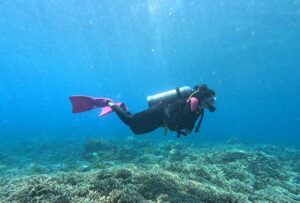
(86, 103)
(107, 110)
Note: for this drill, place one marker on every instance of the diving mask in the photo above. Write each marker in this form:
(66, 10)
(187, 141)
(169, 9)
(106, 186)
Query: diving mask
(210, 102)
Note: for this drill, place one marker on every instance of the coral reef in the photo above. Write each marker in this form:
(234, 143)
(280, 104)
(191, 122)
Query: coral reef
(233, 141)
(98, 145)
(159, 172)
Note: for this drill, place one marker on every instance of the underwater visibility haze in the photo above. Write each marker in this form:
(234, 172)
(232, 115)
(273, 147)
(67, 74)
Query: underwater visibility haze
(248, 52)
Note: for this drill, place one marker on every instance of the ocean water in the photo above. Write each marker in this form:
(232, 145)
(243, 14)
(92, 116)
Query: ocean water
(247, 51)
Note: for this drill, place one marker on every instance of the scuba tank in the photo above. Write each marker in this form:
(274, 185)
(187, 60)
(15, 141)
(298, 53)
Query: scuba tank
(171, 95)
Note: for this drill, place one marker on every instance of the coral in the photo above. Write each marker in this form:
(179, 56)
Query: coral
(123, 173)
(125, 195)
(36, 169)
(148, 158)
(105, 186)
(233, 141)
(62, 199)
(298, 162)
(233, 156)
(97, 145)
(153, 184)
(264, 167)
(35, 189)
(133, 142)
(162, 198)
(156, 173)
(2, 168)
(127, 153)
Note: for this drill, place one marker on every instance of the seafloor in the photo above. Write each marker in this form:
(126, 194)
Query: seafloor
(135, 170)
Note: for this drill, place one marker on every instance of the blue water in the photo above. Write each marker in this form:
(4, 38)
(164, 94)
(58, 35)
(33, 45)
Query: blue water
(247, 51)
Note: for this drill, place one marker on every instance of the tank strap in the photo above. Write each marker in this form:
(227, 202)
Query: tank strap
(178, 93)
(195, 92)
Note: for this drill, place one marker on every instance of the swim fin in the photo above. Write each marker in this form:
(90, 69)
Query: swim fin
(108, 109)
(86, 103)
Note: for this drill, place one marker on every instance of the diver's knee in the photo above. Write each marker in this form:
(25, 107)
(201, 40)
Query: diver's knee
(135, 130)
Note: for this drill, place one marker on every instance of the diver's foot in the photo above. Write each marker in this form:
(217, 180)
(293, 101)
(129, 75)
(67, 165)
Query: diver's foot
(110, 103)
(123, 106)
(120, 104)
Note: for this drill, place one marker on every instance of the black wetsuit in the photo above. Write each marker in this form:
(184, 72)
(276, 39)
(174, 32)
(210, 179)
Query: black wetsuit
(158, 115)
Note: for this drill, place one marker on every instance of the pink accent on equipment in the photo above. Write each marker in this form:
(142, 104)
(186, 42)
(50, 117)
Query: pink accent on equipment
(194, 103)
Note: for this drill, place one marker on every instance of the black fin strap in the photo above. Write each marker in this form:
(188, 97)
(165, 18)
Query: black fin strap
(178, 92)
(200, 121)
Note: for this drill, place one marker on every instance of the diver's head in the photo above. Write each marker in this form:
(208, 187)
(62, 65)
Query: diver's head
(205, 96)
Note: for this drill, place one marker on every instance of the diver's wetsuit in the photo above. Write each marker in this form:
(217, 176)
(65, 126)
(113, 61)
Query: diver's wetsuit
(155, 117)
(144, 121)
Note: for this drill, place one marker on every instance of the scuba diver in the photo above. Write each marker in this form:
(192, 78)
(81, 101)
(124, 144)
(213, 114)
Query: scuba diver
(176, 109)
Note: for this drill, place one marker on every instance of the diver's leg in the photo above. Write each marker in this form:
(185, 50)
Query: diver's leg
(147, 120)
(122, 113)
(142, 122)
